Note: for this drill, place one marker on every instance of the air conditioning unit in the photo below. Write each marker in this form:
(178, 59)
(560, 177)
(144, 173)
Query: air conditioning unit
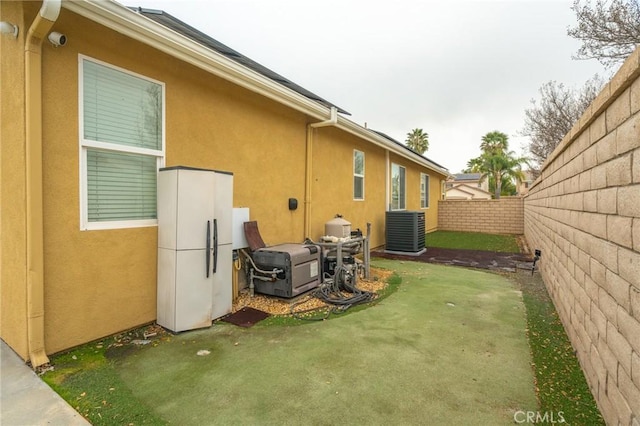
(405, 232)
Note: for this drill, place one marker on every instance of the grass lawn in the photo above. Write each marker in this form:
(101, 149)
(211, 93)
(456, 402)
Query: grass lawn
(473, 241)
(560, 382)
(447, 347)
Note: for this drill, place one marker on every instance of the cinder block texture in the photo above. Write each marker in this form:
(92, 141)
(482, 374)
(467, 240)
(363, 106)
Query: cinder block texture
(503, 216)
(584, 214)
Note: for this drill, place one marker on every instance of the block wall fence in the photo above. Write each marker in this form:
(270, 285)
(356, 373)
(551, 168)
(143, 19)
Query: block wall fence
(503, 216)
(584, 214)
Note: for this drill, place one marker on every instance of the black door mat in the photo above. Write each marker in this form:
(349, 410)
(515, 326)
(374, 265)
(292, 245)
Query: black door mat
(246, 317)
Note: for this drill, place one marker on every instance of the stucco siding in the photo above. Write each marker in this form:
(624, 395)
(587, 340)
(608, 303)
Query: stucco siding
(100, 282)
(12, 185)
(333, 184)
(413, 190)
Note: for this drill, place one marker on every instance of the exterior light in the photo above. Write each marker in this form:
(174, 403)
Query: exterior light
(57, 39)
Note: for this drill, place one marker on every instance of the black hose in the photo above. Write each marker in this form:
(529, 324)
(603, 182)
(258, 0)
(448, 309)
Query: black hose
(332, 293)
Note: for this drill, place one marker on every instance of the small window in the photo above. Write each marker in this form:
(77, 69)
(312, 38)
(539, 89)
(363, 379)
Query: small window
(398, 194)
(424, 190)
(121, 146)
(358, 175)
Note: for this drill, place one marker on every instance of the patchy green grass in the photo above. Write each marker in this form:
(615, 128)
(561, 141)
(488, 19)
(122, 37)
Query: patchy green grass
(473, 241)
(91, 378)
(560, 382)
(87, 379)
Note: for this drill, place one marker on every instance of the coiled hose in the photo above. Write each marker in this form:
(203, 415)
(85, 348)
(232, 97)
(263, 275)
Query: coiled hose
(332, 292)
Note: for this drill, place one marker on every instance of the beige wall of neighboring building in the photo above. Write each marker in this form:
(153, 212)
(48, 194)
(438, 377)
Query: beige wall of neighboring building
(584, 214)
(466, 192)
(100, 282)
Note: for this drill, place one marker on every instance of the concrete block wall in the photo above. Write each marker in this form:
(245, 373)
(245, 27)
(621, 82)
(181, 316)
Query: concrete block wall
(584, 214)
(503, 216)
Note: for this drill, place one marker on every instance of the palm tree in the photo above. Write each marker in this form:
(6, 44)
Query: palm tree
(496, 163)
(418, 140)
(495, 142)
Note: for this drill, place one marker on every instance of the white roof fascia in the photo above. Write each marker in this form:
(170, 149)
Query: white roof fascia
(355, 129)
(123, 20)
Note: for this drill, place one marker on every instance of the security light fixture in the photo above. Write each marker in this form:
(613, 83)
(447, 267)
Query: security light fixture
(57, 39)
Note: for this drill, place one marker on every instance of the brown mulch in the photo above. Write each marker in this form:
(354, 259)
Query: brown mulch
(277, 306)
(491, 260)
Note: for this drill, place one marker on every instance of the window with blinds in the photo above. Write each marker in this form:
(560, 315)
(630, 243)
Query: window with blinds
(358, 175)
(122, 146)
(398, 187)
(424, 190)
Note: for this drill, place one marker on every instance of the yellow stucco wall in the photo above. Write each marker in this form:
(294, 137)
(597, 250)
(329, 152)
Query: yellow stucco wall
(100, 282)
(333, 184)
(413, 190)
(13, 297)
(332, 191)
(104, 281)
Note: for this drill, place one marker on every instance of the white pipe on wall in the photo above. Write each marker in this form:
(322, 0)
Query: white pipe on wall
(37, 33)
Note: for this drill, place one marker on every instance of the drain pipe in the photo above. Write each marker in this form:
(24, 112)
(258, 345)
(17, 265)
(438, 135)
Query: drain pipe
(333, 119)
(387, 185)
(41, 25)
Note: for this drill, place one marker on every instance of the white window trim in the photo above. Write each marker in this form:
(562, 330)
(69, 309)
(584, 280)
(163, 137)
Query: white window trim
(404, 193)
(359, 175)
(85, 225)
(427, 192)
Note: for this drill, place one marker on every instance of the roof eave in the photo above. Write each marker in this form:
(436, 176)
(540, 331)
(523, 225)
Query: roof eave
(373, 137)
(138, 27)
(119, 18)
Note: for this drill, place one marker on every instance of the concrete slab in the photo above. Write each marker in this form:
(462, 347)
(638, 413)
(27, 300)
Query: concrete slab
(26, 400)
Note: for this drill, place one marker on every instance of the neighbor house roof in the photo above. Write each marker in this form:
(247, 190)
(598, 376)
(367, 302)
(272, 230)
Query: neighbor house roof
(467, 176)
(177, 39)
(466, 189)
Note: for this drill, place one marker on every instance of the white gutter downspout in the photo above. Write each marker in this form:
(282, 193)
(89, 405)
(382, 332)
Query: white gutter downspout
(332, 121)
(387, 186)
(41, 25)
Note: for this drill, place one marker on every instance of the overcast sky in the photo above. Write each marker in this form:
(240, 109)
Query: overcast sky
(457, 69)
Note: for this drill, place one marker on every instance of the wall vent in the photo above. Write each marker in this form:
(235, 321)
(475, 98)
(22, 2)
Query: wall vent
(405, 232)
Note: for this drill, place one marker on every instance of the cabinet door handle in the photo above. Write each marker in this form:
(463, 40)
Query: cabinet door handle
(208, 250)
(215, 245)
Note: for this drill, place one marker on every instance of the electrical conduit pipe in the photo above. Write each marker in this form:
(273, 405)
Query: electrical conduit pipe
(332, 121)
(42, 24)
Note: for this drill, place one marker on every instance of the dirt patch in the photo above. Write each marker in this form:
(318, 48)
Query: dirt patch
(129, 341)
(495, 261)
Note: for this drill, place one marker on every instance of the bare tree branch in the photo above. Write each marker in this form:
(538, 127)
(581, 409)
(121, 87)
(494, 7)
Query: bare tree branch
(609, 30)
(552, 116)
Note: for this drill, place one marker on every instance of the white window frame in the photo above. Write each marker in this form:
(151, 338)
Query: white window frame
(85, 224)
(424, 195)
(402, 195)
(357, 175)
